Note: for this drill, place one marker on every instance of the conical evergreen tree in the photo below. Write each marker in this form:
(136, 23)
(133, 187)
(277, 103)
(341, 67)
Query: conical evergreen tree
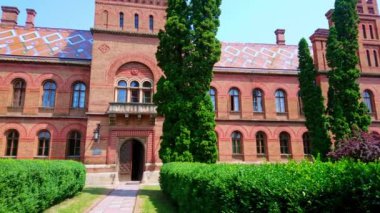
(346, 111)
(187, 53)
(312, 99)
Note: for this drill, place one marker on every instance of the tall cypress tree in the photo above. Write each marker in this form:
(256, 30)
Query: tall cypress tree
(312, 99)
(187, 53)
(346, 111)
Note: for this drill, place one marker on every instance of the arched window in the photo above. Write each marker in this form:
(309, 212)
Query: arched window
(236, 142)
(261, 139)
(364, 31)
(368, 100)
(258, 101)
(43, 143)
(135, 92)
(212, 93)
(147, 92)
(306, 143)
(122, 92)
(234, 100)
(151, 23)
(300, 103)
(79, 95)
(12, 143)
(376, 59)
(136, 21)
(121, 21)
(105, 18)
(19, 87)
(48, 98)
(280, 101)
(74, 144)
(284, 143)
(369, 58)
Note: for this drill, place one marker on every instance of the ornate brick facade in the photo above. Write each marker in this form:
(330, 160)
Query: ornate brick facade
(103, 83)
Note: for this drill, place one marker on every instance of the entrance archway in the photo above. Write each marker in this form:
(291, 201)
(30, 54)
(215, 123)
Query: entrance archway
(131, 161)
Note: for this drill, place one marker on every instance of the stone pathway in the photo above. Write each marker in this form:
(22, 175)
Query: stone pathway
(121, 199)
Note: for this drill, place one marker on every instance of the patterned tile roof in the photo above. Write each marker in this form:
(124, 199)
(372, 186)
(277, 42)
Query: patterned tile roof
(77, 44)
(46, 42)
(260, 56)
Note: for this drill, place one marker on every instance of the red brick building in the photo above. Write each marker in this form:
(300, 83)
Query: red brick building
(87, 95)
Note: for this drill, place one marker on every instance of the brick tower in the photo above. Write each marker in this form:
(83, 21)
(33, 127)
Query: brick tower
(124, 73)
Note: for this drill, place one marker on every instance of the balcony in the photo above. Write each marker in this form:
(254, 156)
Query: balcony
(132, 109)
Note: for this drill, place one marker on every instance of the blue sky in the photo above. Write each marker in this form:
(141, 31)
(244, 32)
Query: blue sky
(241, 20)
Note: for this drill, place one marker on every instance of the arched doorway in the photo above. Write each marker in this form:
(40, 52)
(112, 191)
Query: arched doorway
(131, 161)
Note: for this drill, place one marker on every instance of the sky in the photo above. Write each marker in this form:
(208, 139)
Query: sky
(249, 21)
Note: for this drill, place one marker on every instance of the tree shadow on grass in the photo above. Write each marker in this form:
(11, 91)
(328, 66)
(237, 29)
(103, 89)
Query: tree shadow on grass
(161, 203)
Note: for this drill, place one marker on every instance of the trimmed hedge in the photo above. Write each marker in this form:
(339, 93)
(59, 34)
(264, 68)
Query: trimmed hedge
(35, 185)
(294, 187)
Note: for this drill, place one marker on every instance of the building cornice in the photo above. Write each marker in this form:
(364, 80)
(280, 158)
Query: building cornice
(44, 60)
(236, 70)
(260, 121)
(128, 33)
(43, 117)
(362, 74)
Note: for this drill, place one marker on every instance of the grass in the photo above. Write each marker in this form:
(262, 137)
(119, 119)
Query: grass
(81, 202)
(152, 200)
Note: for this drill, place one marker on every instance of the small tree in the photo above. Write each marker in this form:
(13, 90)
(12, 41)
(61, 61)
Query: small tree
(313, 107)
(187, 53)
(346, 111)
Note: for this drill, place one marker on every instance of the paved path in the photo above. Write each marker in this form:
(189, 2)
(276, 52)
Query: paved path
(121, 199)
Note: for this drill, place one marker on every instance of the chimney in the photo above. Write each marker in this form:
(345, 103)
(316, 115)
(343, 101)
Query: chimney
(280, 36)
(31, 15)
(9, 17)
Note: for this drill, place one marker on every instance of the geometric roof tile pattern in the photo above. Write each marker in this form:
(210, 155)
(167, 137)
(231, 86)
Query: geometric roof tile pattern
(261, 56)
(46, 42)
(77, 44)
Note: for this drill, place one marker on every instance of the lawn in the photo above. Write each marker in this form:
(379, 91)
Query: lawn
(151, 200)
(81, 202)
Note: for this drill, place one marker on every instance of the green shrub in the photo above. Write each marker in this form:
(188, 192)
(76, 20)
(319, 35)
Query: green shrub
(35, 185)
(295, 187)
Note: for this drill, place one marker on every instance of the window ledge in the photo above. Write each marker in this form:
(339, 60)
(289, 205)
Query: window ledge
(282, 113)
(9, 157)
(41, 157)
(261, 155)
(15, 108)
(286, 155)
(46, 109)
(259, 113)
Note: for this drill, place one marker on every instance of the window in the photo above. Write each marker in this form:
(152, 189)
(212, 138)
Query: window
(48, 98)
(74, 143)
(369, 58)
(300, 103)
(364, 31)
(136, 21)
(306, 144)
(19, 86)
(147, 92)
(121, 91)
(79, 96)
(258, 101)
(135, 92)
(151, 23)
(371, 10)
(280, 101)
(213, 97)
(284, 143)
(12, 143)
(368, 100)
(234, 98)
(371, 31)
(43, 143)
(260, 143)
(376, 59)
(121, 21)
(236, 142)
